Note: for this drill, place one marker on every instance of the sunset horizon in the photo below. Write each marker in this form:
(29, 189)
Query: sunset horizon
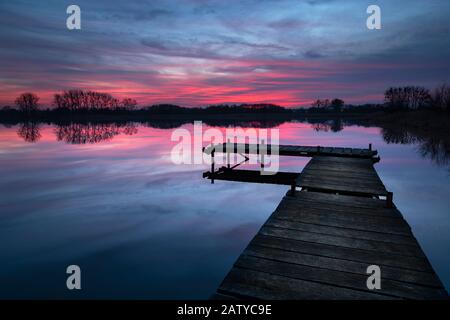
(211, 158)
(288, 53)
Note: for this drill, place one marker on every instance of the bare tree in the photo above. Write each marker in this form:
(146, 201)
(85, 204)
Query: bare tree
(441, 97)
(27, 102)
(321, 103)
(337, 104)
(407, 97)
(29, 131)
(74, 100)
(316, 104)
(129, 104)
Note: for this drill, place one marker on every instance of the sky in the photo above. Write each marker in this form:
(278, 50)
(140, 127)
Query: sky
(199, 52)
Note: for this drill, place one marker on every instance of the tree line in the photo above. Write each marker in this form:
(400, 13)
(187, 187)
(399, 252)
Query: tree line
(335, 104)
(395, 98)
(413, 97)
(74, 100)
(398, 98)
(77, 100)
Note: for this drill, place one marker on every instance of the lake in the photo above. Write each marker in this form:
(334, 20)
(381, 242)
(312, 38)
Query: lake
(107, 197)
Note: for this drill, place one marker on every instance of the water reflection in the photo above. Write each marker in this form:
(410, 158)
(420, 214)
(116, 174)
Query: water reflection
(29, 131)
(79, 133)
(335, 125)
(430, 144)
(142, 227)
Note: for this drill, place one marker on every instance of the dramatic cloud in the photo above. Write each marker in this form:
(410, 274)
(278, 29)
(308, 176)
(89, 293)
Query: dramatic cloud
(200, 52)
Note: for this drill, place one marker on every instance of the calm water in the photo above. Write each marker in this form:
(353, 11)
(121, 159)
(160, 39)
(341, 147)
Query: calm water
(109, 199)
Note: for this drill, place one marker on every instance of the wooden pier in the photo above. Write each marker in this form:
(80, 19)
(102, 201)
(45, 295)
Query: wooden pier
(336, 221)
(289, 150)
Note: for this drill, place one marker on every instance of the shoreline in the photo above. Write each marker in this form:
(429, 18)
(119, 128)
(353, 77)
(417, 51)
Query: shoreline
(419, 119)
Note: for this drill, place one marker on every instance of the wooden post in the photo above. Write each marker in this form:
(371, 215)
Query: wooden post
(390, 200)
(212, 165)
(262, 155)
(370, 146)
(228, 154)
(292, 191)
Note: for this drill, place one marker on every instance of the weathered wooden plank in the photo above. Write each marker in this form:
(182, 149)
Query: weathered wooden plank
(346, 201)
(361, 168)
(363, 256)
(290, 150)
(303, 149)
(338, 211)
(318, 245)
(348, 188)
(252, 176)
(342, 232)
(404, 275)
(327, 150)
(333, 160)
(343, 181)
(354, 168)
(344, 220)
(336, 175)
(362, 171)
(314, 206)
(347, 175)
(369, 245)
(253, 284)
(367, 173)
(358, 186)
(371, 188)
(219, 296)
(334, 163)
(348, 151)
(336, 149)
(337, 278)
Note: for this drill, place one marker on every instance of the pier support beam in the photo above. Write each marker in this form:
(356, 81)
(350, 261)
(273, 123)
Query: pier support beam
(228, 153)
(390, 200)
(262, 152)
(293, 186)
(212, 166)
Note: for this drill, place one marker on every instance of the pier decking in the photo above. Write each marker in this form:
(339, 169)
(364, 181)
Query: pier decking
(342, 175)
(296, 151)
(319, 241)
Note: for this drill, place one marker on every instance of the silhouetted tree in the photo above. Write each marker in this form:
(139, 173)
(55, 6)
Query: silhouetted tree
(79, 133)
(165, 108)
(82, 133)
(430, 144)
(321, 127)
(29, 131)
(441, 97)
(130, 129)
(407, 97)
(337, 104)
(334, 125)
(129, 104)
(27, 102)
(321, 103)
(75, 100)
